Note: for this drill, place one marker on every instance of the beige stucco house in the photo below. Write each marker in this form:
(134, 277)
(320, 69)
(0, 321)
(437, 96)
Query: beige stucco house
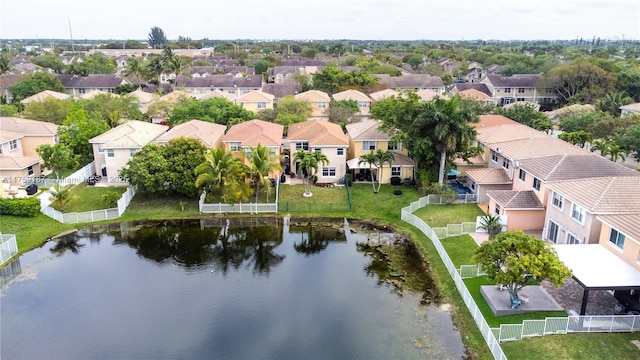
(516, 88)
(208, 133)
(620, 234)
(113, 149)
(366, 136)
(522, 208)
(242, 137)
(319, 102)
(45, 95)
(320, 136)
(255, 101)
(364, 102)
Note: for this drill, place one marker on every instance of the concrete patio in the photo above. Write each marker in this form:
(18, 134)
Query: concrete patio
(500, 303)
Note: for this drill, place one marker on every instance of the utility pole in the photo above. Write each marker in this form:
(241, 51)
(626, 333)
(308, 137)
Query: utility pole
(70, 35)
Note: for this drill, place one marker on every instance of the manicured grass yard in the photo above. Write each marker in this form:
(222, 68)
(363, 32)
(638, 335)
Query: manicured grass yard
(460, 249)
(88, 198)
(442, 215)
(32, 232)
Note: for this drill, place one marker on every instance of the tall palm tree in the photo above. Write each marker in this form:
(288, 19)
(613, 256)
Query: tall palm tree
(383, 156)
(62, 194)
(4, 64)
(219, 168)
(261, 164)
(370, 159)
(449, 120)
(134, 69)
(309, 164)
(610, 148)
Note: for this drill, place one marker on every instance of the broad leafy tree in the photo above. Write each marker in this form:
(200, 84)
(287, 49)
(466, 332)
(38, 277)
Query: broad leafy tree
(77, 130)
(58, 157)
(331, 79)
(49, 61)
(291, 110)
(630, 140)
(49, 110)
(112, 108)
(96, 63)
(342, 111)
(156, 38)
(217, 110)
(148, 170)
(35, 83)
(515, 259)
(577, 82)
(527, 115)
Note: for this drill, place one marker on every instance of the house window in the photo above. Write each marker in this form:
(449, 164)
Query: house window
(552, 231)
(396, 170)
(1, 149)
(340, 151)
(82, 91)
(507, 90)
(505, 163)
(572, 239)
(262, 105)
(363, 104)
(497, 209)
(394, 146)
(328, 171)
(520, 90)
(232, 91)
(100, 148)
(13, 144)
(522, 175)
(302, 145)
(272, 150)
(473, 185)
(110, 153)
(368, 145)
(317, 150)
(322, 105)
(234, 146)
(617, 238)
(494, 156)
(30, 170)
(246, 91)
(536, 183)
(557, 200)
(578, 213)
(131, 152)
(111, 90)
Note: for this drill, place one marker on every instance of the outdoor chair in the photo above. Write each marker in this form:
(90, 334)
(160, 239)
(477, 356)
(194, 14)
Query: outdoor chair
(515, 301)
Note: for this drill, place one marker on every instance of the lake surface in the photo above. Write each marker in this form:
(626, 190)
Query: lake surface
(254, 288)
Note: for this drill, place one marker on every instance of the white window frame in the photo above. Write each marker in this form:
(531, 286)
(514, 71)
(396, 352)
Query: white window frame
(13, 145)
(620, 237)
(578, 213)
(262, 105)
(520, 90)
(536, 184)
(101, 148)
(110, 153)
(369, 143)
(494, 156)
(522, 175)
(497, 209)
(557, 200)
(556, 226)
(363, 104)
(505, 163)
(340, 151)
(507, 90)
(30, 170)
(302, 145)
(396, 170)
(235, 146)
(329, 171)
(322, 105)
(572, 239)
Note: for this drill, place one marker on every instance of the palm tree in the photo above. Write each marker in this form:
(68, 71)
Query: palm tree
(370, 159)
(611, 148)
(4, 64)
(612, 102)
(62, 194)
(449, 120)
(219, 168)
(491, 224)
(309, 163)
(261, 164)
(134, 69)
(383, 156)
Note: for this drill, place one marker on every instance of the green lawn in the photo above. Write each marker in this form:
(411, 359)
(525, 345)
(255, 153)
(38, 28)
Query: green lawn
(88, 198)
(460, 249)
(442, 215)
(145, 208)
(324, 200)
(593, 346)
(31, 232)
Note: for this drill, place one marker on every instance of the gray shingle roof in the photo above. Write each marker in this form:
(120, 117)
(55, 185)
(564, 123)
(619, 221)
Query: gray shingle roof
(223, 81)
(515, 80)
(411, 81)
(280, 90)
(90, 81)
(511, 199)
(483, 88)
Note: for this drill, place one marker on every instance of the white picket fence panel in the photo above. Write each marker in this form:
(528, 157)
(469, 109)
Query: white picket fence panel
(8, 247)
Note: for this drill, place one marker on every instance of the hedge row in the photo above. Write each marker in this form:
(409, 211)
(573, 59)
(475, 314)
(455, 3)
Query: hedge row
(25, 207)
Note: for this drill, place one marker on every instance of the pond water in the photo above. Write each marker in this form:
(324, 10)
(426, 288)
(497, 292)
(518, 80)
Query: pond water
(259, 288)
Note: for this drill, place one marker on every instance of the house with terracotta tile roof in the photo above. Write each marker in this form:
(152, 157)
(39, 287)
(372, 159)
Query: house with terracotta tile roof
(364, 102)
(574, 206)
(320, 136)
(428, 95)
(522, 209)
(113, 149)
(620, 234)
(482, 180)
(242, 137)
(207, 133)
(319, 102)
(19, 139)
(366, 136)
(255, 101)
(143, 99)
(477, 96)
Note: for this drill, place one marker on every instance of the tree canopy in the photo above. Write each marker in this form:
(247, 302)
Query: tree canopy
(35, 83)
(514, 259)
(217, 110)
(156, 38)
(578, 81)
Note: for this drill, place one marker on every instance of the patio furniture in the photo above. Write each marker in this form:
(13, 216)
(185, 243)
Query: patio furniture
(500, 287)
(524, 298)
(515, 301)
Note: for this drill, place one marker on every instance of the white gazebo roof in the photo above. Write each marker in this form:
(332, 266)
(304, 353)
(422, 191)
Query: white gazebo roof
(353, 164)
(598, 268)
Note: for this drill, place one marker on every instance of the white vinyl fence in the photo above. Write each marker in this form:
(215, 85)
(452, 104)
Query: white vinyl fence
(87, 216)
(76, 178)
(245, 208)
(455, 229)
(8, 247)
(470, 271)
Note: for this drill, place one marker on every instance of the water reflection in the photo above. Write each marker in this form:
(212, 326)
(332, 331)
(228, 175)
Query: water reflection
(314, 239)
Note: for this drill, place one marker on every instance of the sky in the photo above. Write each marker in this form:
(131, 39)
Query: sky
(324, 19)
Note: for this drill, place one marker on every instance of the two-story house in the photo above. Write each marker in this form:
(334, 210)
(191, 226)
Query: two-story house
(113, 149)
(320, 136)
(516, 88)
(234, 85)
(255, 101)
(364, 102)
(412, 82)
(78, 85)
(207, 133)
(383, 94)
(366, 136)
(45, 95)
(242, 137)
(319, 102)
(19, 139)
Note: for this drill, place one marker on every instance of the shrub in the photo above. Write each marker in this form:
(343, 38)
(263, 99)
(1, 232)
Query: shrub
(26, 207)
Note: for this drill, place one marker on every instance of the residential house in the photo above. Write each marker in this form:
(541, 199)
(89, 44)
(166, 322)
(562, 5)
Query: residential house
(415, 82)
(631, 109)
(7, 81)
(255, 101)
(319, 102)
(207, 133)
(282, 74)
(234, 85)
(45, 95)
(113, 149)
(620, 234)
(574, 206)
(522, 209)
(476, 95)
(459, 87)
(428, 95)
(144, 99)
(78, 85)
(517, 87)
(320, 136)
(242, 137)
(280, 90)
(364, 102)
(19, 139)
(366, 136)
(383, 94)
